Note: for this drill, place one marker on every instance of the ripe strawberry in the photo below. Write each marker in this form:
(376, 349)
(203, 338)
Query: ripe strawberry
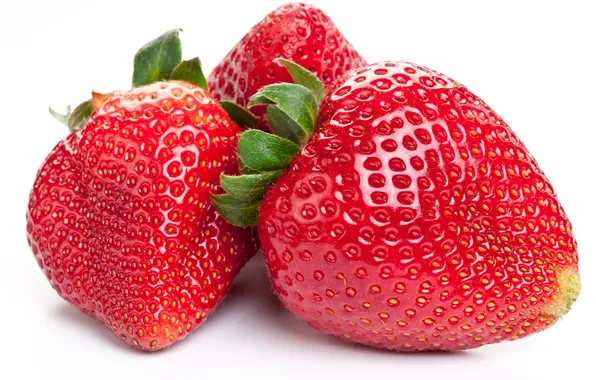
(413, 219)
(296, 31)
(120, 220)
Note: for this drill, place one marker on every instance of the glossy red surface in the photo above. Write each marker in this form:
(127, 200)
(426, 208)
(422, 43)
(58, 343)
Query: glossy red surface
(298, 32)
(415, 219)
(120, 220)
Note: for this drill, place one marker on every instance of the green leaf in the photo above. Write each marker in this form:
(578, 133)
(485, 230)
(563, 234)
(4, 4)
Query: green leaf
(78, 118)
(260, 98)
(249, 187)
(284, 126)
(295, 100)
(264, 152)
(237, 212)
(305, 78)
(63, 118)
(190, 71)
(245, 169)
(157, 59)
(239, 115)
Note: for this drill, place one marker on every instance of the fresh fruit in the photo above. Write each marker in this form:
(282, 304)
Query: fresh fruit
(119, 217)
(298, 32)
(413, 219)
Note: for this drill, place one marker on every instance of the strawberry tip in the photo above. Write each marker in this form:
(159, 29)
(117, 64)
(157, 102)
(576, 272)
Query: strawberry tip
(570, 288)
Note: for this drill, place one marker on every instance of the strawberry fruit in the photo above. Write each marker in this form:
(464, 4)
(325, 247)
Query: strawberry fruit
(119, 217)
(298, 32)
(404, 214)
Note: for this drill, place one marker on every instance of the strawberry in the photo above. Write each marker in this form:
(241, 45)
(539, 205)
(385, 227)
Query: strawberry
(119, 217)
(411, 218)
(298, 32)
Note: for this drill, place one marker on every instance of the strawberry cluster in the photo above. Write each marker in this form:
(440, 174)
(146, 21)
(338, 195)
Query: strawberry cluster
(394, 208)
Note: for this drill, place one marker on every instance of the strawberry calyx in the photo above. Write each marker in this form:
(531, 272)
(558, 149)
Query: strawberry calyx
(158, 60)
(76, 119)
(292, 112)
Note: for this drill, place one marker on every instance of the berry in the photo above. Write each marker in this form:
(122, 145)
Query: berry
(119, 217)
(413, 219)
(295, 31)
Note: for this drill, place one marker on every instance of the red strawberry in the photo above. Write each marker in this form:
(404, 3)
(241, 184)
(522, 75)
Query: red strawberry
(296, 31)
(414, 219)
(120, 220)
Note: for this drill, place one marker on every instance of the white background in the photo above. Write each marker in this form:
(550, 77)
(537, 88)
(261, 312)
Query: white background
(533, 62)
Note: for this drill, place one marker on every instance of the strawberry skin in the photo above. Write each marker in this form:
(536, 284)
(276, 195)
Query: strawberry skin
(298, 32)
(119, 217)
(415, 219)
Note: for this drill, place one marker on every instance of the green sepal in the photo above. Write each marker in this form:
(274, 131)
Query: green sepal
(190, 71)
(245, 169)
(297, 101)
(265, 152)
(63, 118)
(157, 59)
(292, 112)
(79, 116)
(305, 78)
(249, 187)
(239, 115)
(238, 213)
(284, 126)
(260, 98)
(76, 119)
